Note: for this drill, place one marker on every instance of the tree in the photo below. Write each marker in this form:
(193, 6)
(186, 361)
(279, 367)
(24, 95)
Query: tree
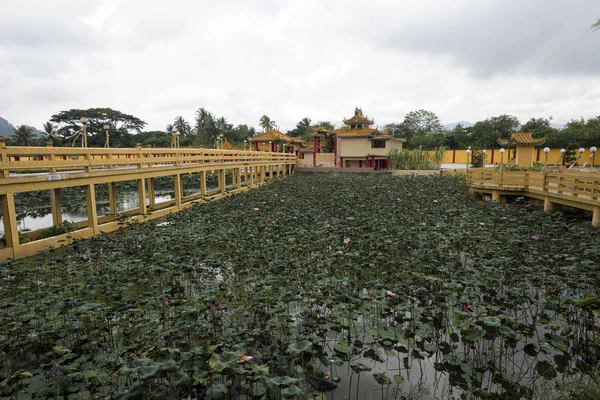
(420, 123)
(51, 134)
(302, 128)
(206, 128)
(266, 123)
(122, 125)
(394, 129)
(596, 26)
(324, 124)
(182, 126)
(23, 136)
(486, 133)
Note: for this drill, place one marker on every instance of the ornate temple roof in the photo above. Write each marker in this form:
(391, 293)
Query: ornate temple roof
(274, 135)
(228, 146)
(523, 139)
(358, 118)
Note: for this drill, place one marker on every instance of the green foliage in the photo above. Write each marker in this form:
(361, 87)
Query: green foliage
(266, 123)
(121, 126)
(418, 123)
(416, 159)
(302, 128)
(228, 302)
(477, 159)
(23, 136)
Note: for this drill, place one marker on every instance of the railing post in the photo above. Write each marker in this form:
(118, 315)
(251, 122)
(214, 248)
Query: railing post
(203, 183)
(88, 157)
(142, 196)
(55, 207)
(223, 184)
(5, 173)
(90, 202)
(11, 229)
(239, 179)
(178, 191)
(596, 217)
(52, 170)
(112, 198)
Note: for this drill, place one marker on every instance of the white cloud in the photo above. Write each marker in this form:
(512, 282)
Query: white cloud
(464, 60)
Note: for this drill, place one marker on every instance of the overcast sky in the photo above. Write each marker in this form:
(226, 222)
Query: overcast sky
(290, 59)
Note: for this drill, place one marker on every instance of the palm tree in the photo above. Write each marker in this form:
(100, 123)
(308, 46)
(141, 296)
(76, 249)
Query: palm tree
(181, 125)
(169, 129)
(22, 136)
(266, 123)
(596, 26)
(51, 134)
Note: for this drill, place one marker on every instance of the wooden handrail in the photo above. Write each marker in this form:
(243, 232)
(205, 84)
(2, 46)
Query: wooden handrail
(15, 158)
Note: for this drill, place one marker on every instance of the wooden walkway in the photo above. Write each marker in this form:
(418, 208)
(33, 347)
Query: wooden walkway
(27, 169)
(578, 189)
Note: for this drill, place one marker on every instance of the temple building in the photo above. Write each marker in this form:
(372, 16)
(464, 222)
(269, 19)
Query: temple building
(275, 141)
(523, 149)
(356, 145)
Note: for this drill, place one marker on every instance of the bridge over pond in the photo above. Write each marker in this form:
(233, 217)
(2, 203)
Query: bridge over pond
(29, 169)
(578, 189)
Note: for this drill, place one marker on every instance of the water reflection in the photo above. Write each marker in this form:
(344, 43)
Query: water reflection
(41, 218)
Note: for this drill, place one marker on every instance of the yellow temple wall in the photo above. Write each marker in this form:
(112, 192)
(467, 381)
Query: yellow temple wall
(361, 147)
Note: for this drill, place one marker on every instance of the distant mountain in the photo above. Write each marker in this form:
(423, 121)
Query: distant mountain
(7, 129)
(452, 125)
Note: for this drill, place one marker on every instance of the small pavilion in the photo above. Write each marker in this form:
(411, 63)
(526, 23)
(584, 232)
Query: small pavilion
(275, 141)
(523, 146)
(228, 146)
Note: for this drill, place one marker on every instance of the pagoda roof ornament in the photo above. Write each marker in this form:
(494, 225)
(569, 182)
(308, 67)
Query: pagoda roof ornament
(358, 118)
(521, 139)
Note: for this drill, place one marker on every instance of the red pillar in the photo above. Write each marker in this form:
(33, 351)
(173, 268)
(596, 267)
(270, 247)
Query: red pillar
(359, 163)
(314, 151)
(372, 161)
(334, 151)
(341, 162)
(388, 163)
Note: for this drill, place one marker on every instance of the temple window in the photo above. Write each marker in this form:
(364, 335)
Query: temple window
(378, 144)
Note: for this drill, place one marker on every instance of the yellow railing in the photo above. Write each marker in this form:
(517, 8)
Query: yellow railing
(52, 159)
(579, 189)
(27, 169)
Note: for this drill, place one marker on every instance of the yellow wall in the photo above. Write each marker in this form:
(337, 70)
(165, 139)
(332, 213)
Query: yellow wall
(553, 156)
(361, 147)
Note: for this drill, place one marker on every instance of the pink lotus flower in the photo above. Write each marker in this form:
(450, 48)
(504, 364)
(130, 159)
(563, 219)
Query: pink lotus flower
(346, 241)
(534, 237)
(390, 293)
(459, 240)
(213, 307)
(482, 223)
(275, 195)
(436, 201)
(166, 302)
(10, 278)
(255, 209)
(282, 201)
(329, 262)
(4, 303)
(189, 398)
(467, 307)
(247, 359)
(273, 222)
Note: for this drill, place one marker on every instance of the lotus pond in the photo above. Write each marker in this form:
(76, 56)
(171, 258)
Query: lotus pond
(314, 287)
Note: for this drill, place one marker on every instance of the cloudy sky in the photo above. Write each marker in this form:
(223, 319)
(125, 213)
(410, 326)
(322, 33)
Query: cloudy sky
(290, 59)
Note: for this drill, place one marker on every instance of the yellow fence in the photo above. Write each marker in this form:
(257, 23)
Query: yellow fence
(555, 185)
(26, 169)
